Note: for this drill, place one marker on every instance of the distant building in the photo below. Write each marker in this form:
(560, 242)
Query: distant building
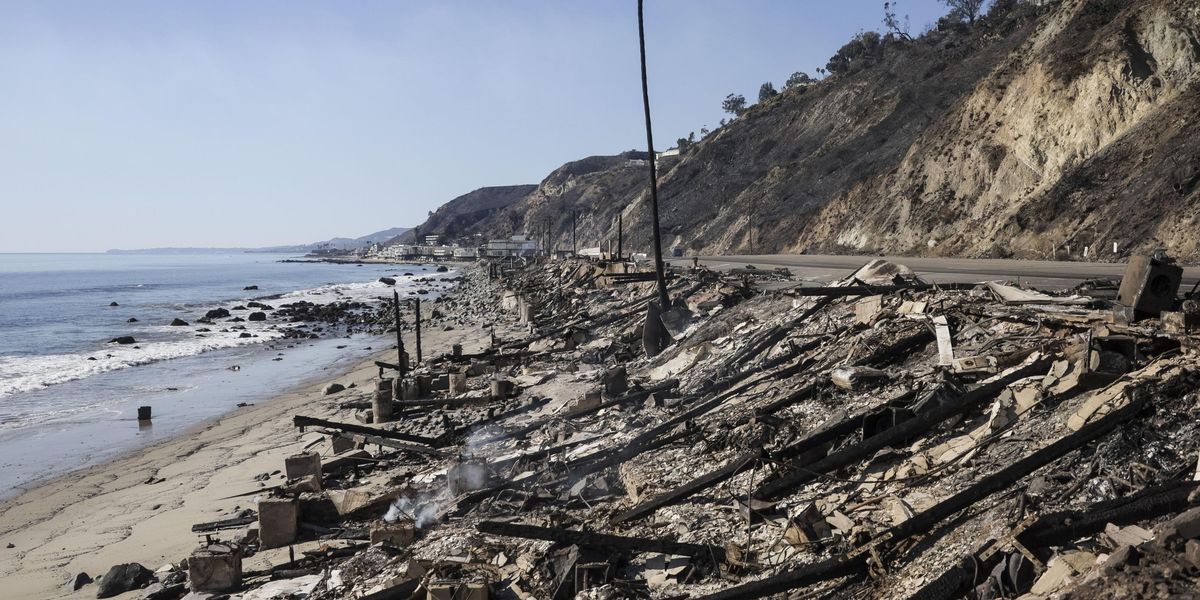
(432, 240)
(517, 245)
(636, 162)
(669, 152)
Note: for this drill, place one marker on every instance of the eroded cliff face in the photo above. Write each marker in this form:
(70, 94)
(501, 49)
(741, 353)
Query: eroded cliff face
(1012, 170)
(1038, 129)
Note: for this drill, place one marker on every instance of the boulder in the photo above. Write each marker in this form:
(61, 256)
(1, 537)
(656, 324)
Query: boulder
(245, 334)
(249, 287)
(80, 580)
(131, 320)
(216, 313)
(123, 578)
(123, 340)
(333, 388)
(113, 304)
(442, 269)
(179, 323)
(257, 316)
(387, 280)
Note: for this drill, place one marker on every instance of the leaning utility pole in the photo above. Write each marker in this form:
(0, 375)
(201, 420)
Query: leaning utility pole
(663, 298)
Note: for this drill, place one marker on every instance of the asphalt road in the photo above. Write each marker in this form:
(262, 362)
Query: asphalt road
(1034, 272)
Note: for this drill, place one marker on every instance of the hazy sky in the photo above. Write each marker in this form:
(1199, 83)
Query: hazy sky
(253, 123)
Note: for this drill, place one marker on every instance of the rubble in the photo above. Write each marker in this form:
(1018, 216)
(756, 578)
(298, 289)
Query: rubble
(877, 436)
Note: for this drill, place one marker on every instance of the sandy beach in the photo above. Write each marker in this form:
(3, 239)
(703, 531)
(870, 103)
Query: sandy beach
(140, 507)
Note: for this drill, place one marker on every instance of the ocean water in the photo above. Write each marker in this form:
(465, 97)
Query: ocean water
(68, 396)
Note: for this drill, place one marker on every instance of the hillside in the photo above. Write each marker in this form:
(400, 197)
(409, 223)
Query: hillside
(1072, 124)
(466, 214)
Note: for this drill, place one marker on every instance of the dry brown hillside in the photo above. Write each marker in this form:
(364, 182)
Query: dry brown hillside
(1038, 128)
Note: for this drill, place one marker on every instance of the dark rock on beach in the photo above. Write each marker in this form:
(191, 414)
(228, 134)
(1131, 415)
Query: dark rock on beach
(123, 578)
(387, 280)
(131, 320)
(123, 340)
(179, 323)
(257, 316)
(80, 580)
(216, 313)
(249, 287)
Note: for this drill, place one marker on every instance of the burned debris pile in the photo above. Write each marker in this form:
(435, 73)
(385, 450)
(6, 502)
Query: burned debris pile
(877, 436)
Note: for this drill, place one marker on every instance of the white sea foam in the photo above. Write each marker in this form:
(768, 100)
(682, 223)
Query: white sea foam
(20, 374)
(27, 373)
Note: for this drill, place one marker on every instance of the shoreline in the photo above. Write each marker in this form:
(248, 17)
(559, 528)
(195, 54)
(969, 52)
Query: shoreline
(105, 514)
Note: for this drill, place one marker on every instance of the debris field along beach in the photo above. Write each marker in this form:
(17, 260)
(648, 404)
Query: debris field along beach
(552, 433)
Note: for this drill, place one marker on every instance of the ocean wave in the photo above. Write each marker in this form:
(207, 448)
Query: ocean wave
(27, 373)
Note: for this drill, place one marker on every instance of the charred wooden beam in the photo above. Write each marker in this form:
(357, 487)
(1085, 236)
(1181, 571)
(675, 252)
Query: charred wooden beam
(875, 290)
(224, 524)
(733, 467)
(924, 521)
(916, 426)
(898, 351)
(776, 335)
(399, 445)
(1059, 528)
(815, 573)
(302, 421)
(669, 384)
(600, 540)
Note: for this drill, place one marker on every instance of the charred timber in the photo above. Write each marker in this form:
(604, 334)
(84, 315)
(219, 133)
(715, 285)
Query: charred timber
(601, 540)
(302, 421)
(916, 426)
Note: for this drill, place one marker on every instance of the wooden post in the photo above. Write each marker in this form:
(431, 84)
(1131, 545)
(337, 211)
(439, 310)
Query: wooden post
(399, 337)
(417, 311)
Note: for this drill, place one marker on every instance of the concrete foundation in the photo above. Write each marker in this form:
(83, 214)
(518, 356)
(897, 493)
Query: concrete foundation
(302, 465)
(457, 383)
(591, 399)
(616, 382)
(215, 568)
(396, 535)
(381, 403)
(278, 521)
(341, 443)
(501, 389)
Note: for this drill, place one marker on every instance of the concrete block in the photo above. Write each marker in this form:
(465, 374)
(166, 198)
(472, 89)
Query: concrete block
(442, 590)
(381, 402)
(501, 389)
(866, 309)
(440, 383)
(590, 399)
(341, 443)
(457, 382)
(397, 535)
(473, 591)
(278, 521)
(616, 382)
(215, 568)
(302, 465)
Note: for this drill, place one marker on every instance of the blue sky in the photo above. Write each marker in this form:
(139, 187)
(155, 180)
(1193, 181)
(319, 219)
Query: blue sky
(252, 123)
